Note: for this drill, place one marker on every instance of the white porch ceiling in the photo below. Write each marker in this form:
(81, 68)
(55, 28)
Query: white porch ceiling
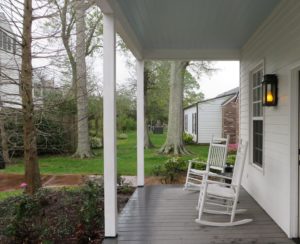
(186, 29)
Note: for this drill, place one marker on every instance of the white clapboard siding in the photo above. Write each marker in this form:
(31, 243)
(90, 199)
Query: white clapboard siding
(210, 119)
(189, 112)
(10, 66)
(276, 44)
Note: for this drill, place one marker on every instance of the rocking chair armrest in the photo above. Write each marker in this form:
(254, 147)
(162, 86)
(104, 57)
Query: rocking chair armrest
(192, 161)
(220, 183)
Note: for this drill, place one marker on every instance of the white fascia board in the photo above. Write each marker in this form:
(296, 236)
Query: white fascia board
(193, 54)
(126, 32)
(123, 28)
(129, 38)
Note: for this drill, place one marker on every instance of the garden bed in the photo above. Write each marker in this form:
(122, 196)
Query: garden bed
(65, 215)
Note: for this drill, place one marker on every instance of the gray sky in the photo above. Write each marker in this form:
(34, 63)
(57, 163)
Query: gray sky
(226, 78)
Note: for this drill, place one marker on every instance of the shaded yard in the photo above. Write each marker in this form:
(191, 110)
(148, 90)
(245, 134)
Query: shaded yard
(126, 159)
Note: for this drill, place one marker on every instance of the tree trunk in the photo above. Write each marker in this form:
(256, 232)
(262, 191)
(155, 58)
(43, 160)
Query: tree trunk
(4, 144)
(32, 172)
(83, 144)
(97, 126)
(174, 143)
(147, 141)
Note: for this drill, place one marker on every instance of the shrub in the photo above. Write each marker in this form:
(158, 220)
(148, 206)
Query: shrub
(52, 135)
(188, 138)
(123, 136)
(231, 159)
(91, 215)
(21, 227)
(171, 169)
(96, 142)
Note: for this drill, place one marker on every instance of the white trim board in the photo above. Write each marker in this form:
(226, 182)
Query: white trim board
(294, 137)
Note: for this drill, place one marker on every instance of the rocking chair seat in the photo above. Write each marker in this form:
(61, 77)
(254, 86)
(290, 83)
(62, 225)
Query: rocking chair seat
(217, 190)
(198, 172)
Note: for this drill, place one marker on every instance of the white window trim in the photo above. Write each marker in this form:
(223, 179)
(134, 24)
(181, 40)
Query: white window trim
(194, 123)
(186, 122)
(259, 66)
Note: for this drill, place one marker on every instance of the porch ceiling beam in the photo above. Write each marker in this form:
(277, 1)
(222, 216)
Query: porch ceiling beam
(109, 125)
(192, 54)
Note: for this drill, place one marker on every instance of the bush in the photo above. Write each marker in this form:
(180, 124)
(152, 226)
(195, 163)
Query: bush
(231, 159)
(126, 123)
(52, 136)
(123, 136)
(54, 215)
(96, 142)
(171, 169)
(91, 212)
(21, 227)
(188, 138)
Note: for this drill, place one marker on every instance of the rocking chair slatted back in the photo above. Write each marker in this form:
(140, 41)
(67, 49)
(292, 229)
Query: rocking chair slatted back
(239, 163)
(217, 153)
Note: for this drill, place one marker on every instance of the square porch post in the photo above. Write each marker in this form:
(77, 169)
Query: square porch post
(109, 125)
(140, 122)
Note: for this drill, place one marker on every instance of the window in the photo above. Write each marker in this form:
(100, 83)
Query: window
(194, 123)
(257, 118)
(8, 43)
(1, 39)
(5, 41)
(186, 121)
(14, 46)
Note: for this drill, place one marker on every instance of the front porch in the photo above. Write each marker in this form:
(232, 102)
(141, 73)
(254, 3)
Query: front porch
(165, 214)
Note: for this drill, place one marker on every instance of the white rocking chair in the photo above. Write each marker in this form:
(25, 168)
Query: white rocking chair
(222, 195)
(216, 160)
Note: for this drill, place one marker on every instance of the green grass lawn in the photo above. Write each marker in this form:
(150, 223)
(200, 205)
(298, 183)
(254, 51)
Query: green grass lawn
(126, 159)
(6, 194)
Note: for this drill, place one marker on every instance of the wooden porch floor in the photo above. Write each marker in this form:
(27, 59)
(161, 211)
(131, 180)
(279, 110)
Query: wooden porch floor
(165, 214)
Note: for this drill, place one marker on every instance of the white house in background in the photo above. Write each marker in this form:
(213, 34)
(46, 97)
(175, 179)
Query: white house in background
(204, 119)
(265, 37)
(9, 66)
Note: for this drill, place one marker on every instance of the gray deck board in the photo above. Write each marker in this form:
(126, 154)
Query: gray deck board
(165, 214)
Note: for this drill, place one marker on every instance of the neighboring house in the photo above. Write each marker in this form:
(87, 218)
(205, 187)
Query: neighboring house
(213, 117)
(41, 88)
(10, 62)
(10, 65)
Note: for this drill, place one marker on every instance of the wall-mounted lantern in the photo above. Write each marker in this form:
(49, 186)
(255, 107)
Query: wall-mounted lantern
(269, 90)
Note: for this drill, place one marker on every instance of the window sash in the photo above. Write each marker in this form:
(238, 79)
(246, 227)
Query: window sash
(1, 39)
(194, 123)
(8, 43)
(5, 41)
(257, 119)
(186, 122)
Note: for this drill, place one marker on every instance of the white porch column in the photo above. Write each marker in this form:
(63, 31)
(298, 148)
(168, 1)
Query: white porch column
(140, 122)
(109, 125)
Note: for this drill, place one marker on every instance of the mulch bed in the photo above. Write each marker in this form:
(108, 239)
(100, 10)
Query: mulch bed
(10, 182)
